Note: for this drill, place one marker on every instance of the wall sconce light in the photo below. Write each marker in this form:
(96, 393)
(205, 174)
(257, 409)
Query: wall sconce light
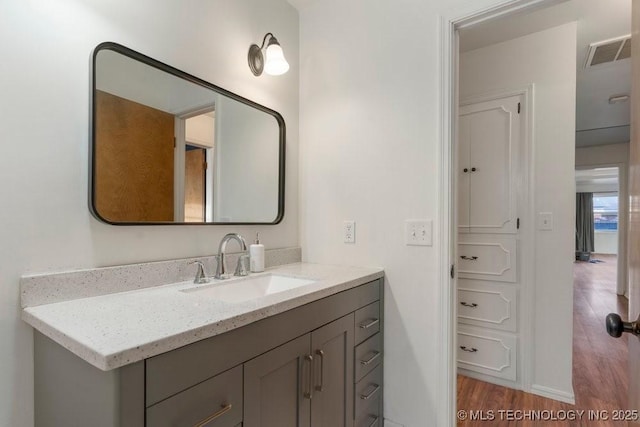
(275, 63)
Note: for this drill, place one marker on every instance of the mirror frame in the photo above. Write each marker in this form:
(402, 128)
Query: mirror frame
(188, 77)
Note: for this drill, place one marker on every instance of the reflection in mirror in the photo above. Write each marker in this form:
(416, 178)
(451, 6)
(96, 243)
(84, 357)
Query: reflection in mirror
(170, 148)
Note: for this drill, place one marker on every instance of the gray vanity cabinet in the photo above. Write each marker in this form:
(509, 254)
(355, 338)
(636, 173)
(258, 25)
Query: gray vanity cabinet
(293, 369)
(332, 351)
(305, 382)
(274, 385)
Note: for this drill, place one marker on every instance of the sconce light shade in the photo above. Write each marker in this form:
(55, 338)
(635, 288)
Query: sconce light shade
(275, 63)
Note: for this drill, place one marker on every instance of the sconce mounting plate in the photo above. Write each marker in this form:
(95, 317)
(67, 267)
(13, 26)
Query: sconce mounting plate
(256, 59)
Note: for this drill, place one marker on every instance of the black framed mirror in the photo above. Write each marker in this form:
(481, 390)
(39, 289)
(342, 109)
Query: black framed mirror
(170, 148)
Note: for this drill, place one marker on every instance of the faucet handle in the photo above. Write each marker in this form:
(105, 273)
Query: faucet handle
(242, 267)
(200, 276)
(220, 270)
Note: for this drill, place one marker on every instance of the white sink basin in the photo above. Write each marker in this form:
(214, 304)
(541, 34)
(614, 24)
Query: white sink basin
(250, 288)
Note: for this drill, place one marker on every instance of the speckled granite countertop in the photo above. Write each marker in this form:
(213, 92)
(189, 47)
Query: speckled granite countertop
(116, 329)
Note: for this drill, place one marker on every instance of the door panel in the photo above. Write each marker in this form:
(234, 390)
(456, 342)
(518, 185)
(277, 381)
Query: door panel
(274, 384)
(464, 168)
(333, 365)
(634, 213)
(134, 167)
(492, 131)
(194, 184)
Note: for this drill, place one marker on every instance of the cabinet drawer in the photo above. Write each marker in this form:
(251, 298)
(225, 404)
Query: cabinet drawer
(487, 352)
(487, 257)
(487, 304)
(371, 420)
(367, 397)
(367, 321)
(368, 355)
(218, 399)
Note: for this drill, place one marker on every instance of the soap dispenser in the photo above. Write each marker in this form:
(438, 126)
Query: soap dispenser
(256, 254)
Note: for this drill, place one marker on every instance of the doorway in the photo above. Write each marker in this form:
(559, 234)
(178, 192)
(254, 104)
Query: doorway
(194, 165)
(608, 185)
(543, 214)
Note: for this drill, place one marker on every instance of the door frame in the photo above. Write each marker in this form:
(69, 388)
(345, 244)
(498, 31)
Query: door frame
(622, 284)
(450, 23)
(179, 159)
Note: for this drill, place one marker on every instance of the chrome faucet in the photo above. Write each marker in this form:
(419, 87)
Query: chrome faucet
(221, 268)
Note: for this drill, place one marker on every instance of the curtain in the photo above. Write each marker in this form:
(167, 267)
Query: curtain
(584, 222)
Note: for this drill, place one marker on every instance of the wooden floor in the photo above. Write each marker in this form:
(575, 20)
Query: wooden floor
(599, 361)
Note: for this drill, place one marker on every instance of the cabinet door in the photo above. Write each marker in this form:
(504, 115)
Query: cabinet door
(464, 167)
(277, 386)
(491, 132)
(332, 346)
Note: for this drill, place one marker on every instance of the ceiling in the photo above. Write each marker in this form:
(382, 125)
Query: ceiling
(597, 121)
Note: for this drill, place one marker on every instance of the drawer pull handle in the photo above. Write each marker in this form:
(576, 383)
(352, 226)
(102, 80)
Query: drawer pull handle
(369, 324)
(466, 304)
(469, 258)
(309, 393)
(468, 350)
(223, 410)
(374, 423)
(368, 396)
(320, 354)
(370, 360)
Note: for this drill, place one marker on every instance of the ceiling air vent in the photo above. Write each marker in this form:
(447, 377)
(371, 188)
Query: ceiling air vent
(609, 51)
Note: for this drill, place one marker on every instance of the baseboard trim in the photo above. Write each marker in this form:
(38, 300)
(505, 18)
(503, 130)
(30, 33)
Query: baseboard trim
(554, 394)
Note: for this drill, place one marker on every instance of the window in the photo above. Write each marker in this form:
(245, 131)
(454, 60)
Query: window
(605, 211)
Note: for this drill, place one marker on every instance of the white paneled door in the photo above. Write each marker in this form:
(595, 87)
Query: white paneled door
(489, 137)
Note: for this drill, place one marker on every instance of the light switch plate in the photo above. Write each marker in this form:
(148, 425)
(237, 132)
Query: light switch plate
(545, 221)
(418, 232)
(349, 231)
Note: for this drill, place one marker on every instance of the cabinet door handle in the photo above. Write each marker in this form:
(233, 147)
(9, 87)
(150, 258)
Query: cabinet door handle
(308, 394)
(473, 169)
(469, 258)
(370, 360)
(374, 423)
(468, 350)
(369, 324)
(320, 354)
(369, 395)
(465, 170)
(223, 410)
(466, 304)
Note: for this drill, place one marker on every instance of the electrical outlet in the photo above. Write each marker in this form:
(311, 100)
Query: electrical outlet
(418, 232)
(349, 231)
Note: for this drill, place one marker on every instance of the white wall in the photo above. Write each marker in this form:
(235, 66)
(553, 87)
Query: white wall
(44, 114)
(602, 155)
(547, 60)
(246, 173)
(369, 109)
(200, 130)
(605, 242)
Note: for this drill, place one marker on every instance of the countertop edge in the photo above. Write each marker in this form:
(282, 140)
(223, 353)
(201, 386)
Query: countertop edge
(126, 356)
